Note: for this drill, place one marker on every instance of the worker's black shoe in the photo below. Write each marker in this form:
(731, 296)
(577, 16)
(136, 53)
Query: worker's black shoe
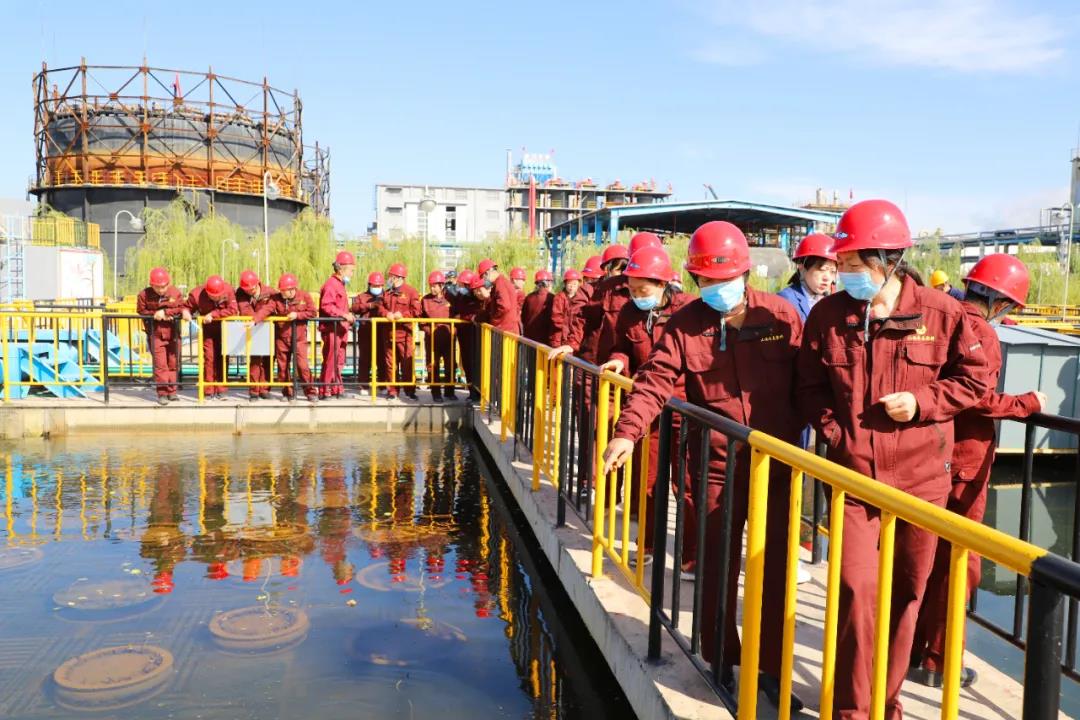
(929, 678)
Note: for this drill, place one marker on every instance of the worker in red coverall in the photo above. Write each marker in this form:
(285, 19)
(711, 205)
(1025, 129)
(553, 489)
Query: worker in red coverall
(517, 279)
(400, 301)
(735, 350)
(591, 319)
(591, 274)
(162, 303)
(250, 298)
(638, 327)
(565, 308)
(536, 309)
(995, 286)
(465, 306)
(365, 306)
(213, 301)
(503, 312)
(297, 307)
(334, 305)
(617, 296)
(438, 341)
(884, 368)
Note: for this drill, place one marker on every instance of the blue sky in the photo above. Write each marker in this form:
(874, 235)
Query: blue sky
(962, 111)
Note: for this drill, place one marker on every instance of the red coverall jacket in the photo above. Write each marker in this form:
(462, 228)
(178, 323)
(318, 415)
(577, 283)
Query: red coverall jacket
(502, 307)
(613, 302)
(565, 311)
(536, 315)
(200, 303)
(591, 320)
(333, 302)
(149, 302)
(247, 306)
(278, 306)
(404, 300)
(520, 296)
(927, 347)
(751, 381)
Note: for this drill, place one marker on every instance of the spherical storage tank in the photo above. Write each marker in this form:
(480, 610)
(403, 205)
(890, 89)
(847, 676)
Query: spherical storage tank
(109, 139)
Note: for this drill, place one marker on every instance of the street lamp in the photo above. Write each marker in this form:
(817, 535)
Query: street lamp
(270, 192)
(224, 243)
(136, 225)
(426, 206)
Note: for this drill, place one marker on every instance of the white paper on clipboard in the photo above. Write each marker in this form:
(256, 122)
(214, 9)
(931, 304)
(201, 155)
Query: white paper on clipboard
(236, 339)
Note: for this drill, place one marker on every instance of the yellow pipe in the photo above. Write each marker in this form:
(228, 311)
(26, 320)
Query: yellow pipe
(954, 633)
(886, 547)
(754, 583)
(601, 480)
(539, 425)
(787, 660)
(832, 602)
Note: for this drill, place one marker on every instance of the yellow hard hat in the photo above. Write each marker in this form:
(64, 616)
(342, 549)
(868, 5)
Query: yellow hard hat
(938, 277)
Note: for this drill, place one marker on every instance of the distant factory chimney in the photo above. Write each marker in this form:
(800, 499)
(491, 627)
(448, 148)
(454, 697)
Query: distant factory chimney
(1074, 186)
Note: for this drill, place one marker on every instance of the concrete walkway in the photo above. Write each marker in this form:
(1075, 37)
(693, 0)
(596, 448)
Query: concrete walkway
(617, 618)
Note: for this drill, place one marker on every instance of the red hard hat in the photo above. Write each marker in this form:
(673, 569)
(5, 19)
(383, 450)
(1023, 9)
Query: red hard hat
(517, 273)
(248, 280)
(397, 269)
(1003, 273)
(436, 278)
(215, 285)
(592, 267)
(650, 263)
(477, 282)
(376, 279)
(643, 240)
(614, 252)
(465, 278)
(159, 276)
(345, 258)
(718, 250)
(872, 225)
(287, 282)
(485, 265)
(816, 245)
(571, 274)
(543, 276)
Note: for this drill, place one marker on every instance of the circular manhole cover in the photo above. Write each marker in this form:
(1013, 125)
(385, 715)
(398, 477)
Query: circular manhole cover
(113, 677)
(378, 576)
(15, 557)
(254, 629)
(98, 600)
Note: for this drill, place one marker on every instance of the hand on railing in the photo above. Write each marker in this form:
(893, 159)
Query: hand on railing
(617, 453)
(560, 351)
(615, 366)
(1042, 400)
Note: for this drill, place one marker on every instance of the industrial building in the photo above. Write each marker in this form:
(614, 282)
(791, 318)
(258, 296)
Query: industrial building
(114, 139)
(461, 215)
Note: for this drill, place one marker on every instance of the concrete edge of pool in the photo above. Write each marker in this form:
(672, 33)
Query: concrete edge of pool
(614, 614)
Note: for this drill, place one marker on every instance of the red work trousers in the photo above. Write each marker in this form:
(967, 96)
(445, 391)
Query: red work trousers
(213, 360)
(365, 353)
(773, 585)
(397, 356)
(283, 354)
(259, 372)
(689, 549)
(164, 351)
(967, 498)
(467, 338)
(913, 558)
(335, 342)
(440, 356)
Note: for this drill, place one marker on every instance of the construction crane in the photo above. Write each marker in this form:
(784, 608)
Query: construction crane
(711, 191)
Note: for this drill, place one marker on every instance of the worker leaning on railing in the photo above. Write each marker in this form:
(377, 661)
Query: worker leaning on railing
(334, 303)
(297, 307)
(636, 330)
(735, 349)
(250, 299)
(213, 301)
(399, 302)
(438, 337)
(468, 308)
(163, 303)
(536, 309)
(883, 369)
(565, 308)
(365, 305)
(996, 285)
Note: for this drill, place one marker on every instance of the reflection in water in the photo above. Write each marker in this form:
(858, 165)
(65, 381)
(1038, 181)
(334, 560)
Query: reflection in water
(389, 573)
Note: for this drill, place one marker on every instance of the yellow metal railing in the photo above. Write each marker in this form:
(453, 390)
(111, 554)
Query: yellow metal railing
(64, 231)
(612, 540)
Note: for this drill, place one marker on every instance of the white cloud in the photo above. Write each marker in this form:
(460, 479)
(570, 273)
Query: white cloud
(962, 35)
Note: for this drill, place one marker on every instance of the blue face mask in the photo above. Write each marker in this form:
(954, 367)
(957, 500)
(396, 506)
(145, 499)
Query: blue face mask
(376, 291)
(646, 303)
(859, 285)
(726, 296)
